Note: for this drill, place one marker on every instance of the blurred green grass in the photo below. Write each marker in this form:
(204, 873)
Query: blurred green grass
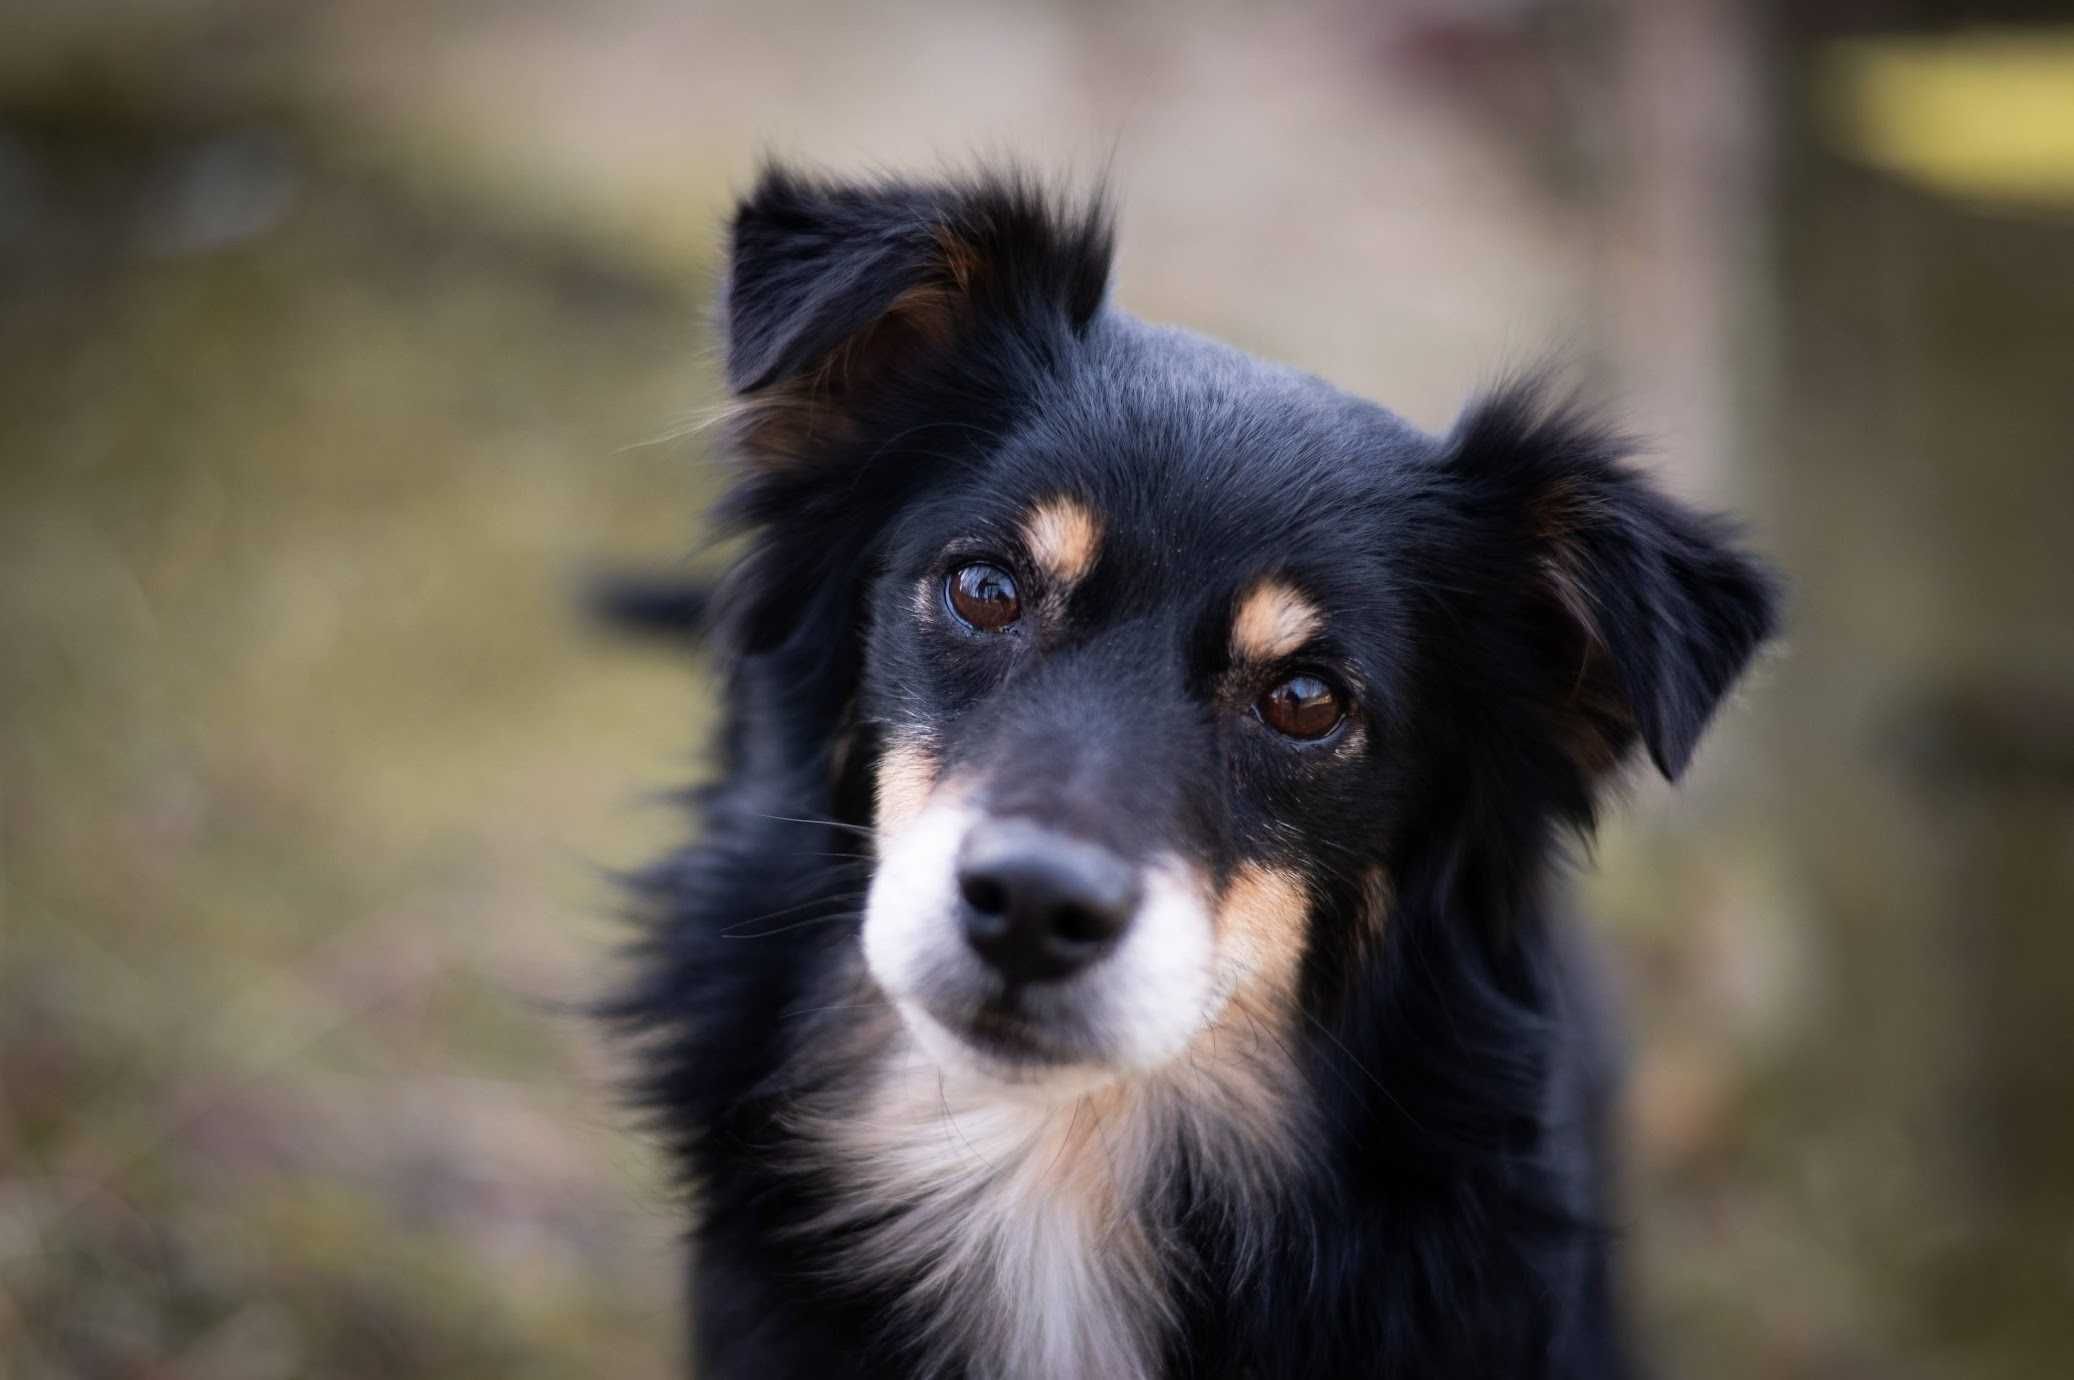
(309, 770)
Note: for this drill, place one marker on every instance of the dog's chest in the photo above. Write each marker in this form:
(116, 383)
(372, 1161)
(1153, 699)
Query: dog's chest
(1018, 1232)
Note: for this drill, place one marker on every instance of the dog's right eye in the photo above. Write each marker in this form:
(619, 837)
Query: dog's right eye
(983, 597)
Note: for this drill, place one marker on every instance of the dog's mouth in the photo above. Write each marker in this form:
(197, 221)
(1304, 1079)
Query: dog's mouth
(1003, 1031)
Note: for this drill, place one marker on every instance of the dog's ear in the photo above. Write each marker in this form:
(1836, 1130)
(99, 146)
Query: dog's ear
(836, 291)
(1640, 612)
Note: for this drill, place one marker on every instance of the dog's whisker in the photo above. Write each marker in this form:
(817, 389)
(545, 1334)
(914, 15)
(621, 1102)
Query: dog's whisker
(864, 829)
(951, 1119)
(809, 904)
(1366, 1072)
(794, 925)
(834, 1006)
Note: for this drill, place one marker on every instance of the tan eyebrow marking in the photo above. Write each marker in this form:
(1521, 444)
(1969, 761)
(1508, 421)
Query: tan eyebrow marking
(1064, 537)
(1273, 620)
(906, 777)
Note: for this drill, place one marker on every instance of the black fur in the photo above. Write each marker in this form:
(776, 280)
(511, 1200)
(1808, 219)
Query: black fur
(1517, 608)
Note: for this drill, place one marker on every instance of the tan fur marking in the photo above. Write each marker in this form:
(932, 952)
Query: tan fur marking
(1378, 896)
(1595, 720)
(907, 776)
(1261, 925)
(1274, 619)
(930, 310)
(960, 260)
(1064, 537)
(789, 421)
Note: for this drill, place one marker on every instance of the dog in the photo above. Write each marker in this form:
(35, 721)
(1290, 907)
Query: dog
(1118, 942)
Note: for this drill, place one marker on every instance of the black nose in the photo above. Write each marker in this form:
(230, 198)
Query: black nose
(1040, 905)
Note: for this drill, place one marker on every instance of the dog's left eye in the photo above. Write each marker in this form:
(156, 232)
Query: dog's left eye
(1302, 706)
(983, 597)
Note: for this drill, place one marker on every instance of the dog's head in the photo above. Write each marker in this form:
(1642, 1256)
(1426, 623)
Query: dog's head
(1157, 670)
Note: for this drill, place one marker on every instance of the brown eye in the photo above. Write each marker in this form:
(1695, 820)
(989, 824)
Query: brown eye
(1302, 707)
(984, 596)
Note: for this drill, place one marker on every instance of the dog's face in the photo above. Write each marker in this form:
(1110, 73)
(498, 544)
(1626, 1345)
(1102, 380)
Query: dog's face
(1135, 670)
(1171, 666)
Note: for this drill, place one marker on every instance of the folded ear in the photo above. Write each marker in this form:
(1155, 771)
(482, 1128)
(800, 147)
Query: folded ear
(1644, 608)
(837, 289)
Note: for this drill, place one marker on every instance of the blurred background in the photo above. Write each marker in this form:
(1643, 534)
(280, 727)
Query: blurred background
(339, 343)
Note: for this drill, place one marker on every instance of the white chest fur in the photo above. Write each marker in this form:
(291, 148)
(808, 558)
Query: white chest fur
(1019, 1224)
(1016, 1225)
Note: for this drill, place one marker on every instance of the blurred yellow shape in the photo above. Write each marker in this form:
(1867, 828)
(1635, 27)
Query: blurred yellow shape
(1987, 115)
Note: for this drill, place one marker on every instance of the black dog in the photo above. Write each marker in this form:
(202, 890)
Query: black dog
(1116, 943)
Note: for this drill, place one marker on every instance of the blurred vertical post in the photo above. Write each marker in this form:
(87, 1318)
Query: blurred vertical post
(1921, 489)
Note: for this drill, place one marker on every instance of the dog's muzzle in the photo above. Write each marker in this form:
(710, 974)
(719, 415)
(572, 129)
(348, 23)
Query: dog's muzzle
(1012, 943)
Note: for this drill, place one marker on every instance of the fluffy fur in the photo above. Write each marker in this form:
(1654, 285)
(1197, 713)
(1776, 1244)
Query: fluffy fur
(1335, 1103)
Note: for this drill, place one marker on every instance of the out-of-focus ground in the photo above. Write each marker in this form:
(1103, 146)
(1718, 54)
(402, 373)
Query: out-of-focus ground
(339, 343)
